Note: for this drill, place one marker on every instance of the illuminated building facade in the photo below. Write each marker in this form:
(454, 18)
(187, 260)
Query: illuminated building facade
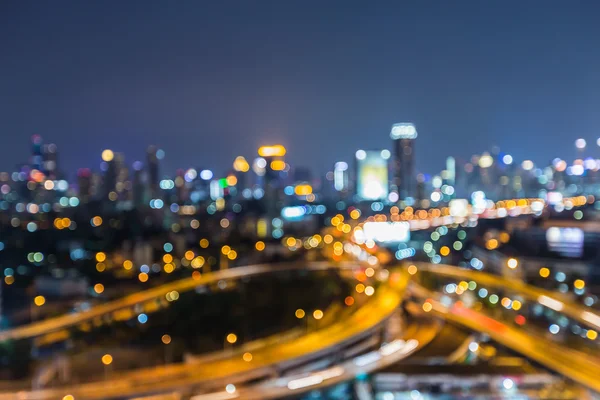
(372, 174)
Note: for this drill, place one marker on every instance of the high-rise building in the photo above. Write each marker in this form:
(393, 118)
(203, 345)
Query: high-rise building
(152, 163)
(450, 175)
(36, 153)
(84, 182)
(138, 184)
(274, 164)
(50, 160)
(114, 176)
(302, 174)
(372, 174)
(404, 135)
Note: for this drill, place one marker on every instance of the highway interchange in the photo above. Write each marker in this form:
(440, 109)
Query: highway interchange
(271, 373)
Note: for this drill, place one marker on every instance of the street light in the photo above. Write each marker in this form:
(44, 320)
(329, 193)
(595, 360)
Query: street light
(230, 340)
(166, 339)
(107, 360)
(317, 316)
(38, 301)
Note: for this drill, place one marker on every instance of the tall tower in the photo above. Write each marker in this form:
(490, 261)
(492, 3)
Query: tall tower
(84, 181)
(138, 184)
(50, 160)
(274, 164)
(36, 153)
(404, 135)
(153, 154)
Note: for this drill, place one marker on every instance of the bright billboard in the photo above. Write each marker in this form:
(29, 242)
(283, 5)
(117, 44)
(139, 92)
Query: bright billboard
(567, 242)
(384, 232)
(372, 182)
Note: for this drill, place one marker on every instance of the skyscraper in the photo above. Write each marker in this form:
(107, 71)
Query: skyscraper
(372, 174)
(138, 184)
(36, 152)
(274, 165)
(50, 160)
(153, 155)
(404, 135)
(84, 182)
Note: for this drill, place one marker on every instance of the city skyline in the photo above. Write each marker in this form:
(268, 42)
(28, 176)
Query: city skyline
(299, 200)
(212, 93)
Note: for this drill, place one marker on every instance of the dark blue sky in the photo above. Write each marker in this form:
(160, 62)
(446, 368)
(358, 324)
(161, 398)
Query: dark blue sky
(210, 80)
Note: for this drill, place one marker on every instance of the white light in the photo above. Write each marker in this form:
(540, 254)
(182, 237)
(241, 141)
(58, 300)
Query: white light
(216, 396)
(293, 212)
(598, 141)
(393, 197)
(486, 161)
(537, 206)
(361, 155)
(508, 384)
(366, 359)
(385, 154)
(341, 166)
(415, 395)
(373, 190)
(459, 207)
(191, 174)
(392, 347)
(230, 388)
(554, 329)
(591, 318)
(527, 165)
(507, 159)
(550, 303)
(580, 143)
(436, 196)
(315, 378)
(473, 346)
(261, 162)
(206, 174)
(331, 372)
(387, 231)
(450, 288)
(404, 130)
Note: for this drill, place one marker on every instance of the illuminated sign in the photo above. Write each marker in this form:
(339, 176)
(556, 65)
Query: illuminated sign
(567, 242)
(372, 181)
(384, 232)
(403, 130)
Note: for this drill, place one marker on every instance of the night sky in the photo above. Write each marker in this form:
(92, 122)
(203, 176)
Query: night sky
(210, 80)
